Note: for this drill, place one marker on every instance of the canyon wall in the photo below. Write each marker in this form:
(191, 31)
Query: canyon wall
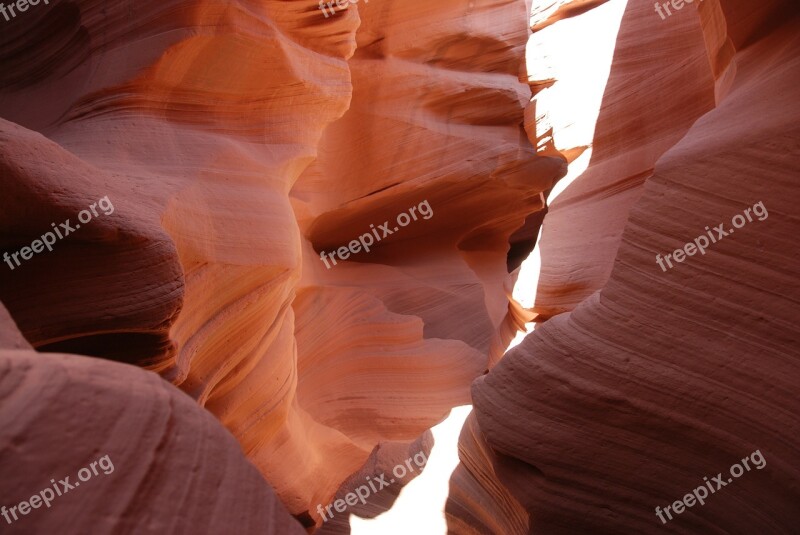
(646, 379)
(246, 150)
(237, 142)
(103, 447)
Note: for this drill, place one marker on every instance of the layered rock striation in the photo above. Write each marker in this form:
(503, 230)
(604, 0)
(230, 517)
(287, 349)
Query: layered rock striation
(237, 142)
(92, 446)
(646, 380)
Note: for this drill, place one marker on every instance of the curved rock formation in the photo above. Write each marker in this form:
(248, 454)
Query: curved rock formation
(125, 449)
(386, 487)
(248, 150)
(656, 378)
(478, 502)
(239, 140)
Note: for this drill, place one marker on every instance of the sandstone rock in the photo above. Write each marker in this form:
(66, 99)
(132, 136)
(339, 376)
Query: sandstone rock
(237, 140)
(658, 379)
(378, 470)
(170, 467)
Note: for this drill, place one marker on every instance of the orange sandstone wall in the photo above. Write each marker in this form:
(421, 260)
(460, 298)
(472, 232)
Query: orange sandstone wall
(653, 378)
(237, 141)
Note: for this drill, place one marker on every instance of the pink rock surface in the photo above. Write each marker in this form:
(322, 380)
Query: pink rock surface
(386, 486)
(478, 502)
(659, 84)
(658, 378)
(237, 140)
(171, 467)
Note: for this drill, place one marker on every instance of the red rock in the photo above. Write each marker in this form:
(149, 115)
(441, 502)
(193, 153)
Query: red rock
(237, 141)
(658, 379)
(170, 465)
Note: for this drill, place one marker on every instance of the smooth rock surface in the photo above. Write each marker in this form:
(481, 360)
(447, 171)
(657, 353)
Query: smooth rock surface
(660, 378)
(239, 140)
(171, 466)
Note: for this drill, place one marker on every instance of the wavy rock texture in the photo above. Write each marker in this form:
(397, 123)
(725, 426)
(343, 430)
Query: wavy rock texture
(657, 379)
(164, 452)
(641, 100)
(478, 502)
(383, 460)
(237, 140)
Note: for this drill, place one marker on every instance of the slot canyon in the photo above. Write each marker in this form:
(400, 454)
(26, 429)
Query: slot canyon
(264, 259)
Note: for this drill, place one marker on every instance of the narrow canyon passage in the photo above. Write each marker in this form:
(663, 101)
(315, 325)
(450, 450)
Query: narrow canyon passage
(377, 267)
